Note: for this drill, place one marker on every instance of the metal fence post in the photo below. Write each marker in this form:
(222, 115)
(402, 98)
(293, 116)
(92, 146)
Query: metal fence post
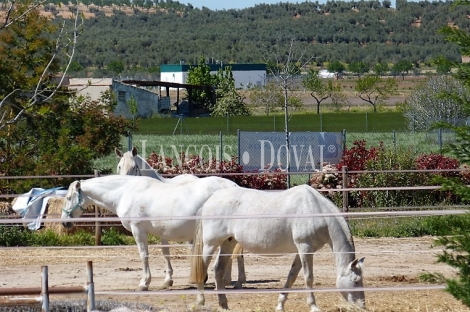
(90, 287)
(344, 171)
(44, 289)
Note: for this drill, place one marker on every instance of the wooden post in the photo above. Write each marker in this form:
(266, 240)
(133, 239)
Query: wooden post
(344, 171)
(97, 223)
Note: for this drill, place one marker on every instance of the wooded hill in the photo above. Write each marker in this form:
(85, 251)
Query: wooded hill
(146, 34)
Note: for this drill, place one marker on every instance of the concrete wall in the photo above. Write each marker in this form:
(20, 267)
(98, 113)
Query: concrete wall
(148, 103)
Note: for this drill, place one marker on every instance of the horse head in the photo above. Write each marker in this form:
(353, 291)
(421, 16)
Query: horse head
(351, 277)
(127, 164)
(73, 205)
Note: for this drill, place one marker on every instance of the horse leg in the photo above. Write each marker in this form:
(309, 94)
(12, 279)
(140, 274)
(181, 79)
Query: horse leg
(141, 239)
(241, 267)
(291, 277)
(306, 257)
(168, 282)
(223, 259)
(207, 252)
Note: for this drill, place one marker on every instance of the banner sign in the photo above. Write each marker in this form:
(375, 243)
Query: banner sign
(258, 151)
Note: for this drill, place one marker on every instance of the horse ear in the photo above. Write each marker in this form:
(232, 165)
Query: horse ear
(357, 263)
(118, 152)
(134, 151)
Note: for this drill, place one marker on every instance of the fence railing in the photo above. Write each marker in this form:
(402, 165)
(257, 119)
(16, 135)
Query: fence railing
(40, 295)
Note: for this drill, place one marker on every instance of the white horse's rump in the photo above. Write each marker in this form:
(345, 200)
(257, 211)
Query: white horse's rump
(130, 163)
(143, 197)
(302, 235)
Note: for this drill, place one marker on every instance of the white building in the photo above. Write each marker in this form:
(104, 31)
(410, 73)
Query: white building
(246, 75)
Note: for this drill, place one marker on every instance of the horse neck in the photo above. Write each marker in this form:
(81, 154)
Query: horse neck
(101, 194)
(341, 242)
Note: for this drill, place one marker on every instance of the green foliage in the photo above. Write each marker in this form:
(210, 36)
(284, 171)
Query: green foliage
(320, 89)
(375, 89)
(116, 66)
(111, 237)
(380, 69)
(402, 68)
(359, 68)
(456, 254)
(201, 75)
(336, 67)
(229, 101)
(270, 97)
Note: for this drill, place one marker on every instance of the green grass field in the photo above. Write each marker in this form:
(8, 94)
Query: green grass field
(326, 122)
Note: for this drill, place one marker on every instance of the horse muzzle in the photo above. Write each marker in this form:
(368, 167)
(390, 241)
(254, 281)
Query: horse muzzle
(67, 225)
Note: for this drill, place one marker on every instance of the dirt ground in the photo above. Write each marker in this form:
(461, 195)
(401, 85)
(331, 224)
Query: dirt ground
(389, 262)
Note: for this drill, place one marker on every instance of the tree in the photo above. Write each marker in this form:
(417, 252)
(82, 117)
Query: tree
(201, 75)
(116, 66)
(359, 68)
(427, 103)
(30, 58)
(457, 247)
(375, 90)
(287, 60)
(269, 97)
(443, 66)
(402, 68)
(380, 69)
(336, 67)
(320, 89)
(45, 128)
(229, 101)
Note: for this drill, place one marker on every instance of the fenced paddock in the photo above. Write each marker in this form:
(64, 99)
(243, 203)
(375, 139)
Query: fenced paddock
(392, 269)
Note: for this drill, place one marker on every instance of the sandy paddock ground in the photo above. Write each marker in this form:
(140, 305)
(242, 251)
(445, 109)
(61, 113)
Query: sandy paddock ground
(389, 263)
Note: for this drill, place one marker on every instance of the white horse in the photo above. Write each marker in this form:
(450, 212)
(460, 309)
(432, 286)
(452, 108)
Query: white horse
(144, 197)
(132, 164)
(291, 231)
(129, 165)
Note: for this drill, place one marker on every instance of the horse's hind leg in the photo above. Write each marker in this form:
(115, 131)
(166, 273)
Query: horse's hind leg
(293, 273)
(223, 259)
(168, 282)
(238, 254)
(141, 240)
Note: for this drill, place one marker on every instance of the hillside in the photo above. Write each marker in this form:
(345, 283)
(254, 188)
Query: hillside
(142, 38)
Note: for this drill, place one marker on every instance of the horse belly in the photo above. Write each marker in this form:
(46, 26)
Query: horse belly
(268, 238)
(176, 230)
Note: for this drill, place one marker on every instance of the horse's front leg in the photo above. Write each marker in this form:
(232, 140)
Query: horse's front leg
(141, 239)
(293, 273)
(168, 282)
(306, 257)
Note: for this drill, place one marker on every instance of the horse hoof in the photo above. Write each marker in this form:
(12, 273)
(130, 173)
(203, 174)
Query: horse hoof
(167, 284)
(238, 285)
(142, 288)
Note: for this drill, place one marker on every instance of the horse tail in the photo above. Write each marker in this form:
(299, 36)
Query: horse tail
(237, 251)
(198, 273)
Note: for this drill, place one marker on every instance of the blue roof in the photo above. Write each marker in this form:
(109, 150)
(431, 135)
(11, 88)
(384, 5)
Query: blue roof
(172, 68)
